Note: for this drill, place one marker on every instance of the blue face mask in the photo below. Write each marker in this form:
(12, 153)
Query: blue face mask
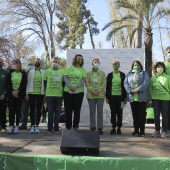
(96, 65)
(30, 67)
(1, 65)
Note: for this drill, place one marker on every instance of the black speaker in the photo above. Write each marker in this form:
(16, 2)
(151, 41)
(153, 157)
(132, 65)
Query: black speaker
(80, 142)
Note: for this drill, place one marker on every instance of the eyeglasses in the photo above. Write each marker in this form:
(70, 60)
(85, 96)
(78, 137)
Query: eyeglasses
(30, 65)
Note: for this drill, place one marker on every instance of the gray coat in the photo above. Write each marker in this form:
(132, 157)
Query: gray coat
(143, 86)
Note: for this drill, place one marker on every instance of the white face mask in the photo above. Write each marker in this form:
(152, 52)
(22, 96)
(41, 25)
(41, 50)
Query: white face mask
(96, 65)
(54, 65)
(168, 56)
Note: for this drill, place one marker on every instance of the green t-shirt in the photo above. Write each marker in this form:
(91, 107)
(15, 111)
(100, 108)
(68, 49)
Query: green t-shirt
(54, 80)
(135, 95)
(16, 79)
(95, 84)
(116, 84)
(75, 75)
(167, 66)
(95, 80)
(37, 84)
(156, 90)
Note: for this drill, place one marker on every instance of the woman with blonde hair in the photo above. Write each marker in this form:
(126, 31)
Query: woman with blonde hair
(96, 83)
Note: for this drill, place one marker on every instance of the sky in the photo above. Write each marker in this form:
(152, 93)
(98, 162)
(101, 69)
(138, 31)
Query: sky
(100, 10)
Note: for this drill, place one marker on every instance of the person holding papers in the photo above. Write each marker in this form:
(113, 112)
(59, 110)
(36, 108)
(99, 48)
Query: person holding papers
(74, 78)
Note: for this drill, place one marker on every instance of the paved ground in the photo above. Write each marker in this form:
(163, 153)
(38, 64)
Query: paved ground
(124, 145)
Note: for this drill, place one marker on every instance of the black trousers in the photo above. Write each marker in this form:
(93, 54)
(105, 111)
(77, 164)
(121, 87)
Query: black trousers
(15, 109)
(116, 111)
(35, 102)
(73, 102)
(139, 115)
(3, 106)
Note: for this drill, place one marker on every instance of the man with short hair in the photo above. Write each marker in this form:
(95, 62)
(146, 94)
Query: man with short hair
(167, 66)
(3, 100)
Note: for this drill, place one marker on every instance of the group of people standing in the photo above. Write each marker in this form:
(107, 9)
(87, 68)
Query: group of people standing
(54, 85)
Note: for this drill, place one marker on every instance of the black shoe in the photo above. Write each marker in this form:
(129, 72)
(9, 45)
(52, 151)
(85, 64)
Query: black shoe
(75, 128)
(49, 131)
(135, 133)
(93, 129)
(113, 131)
(22, 127)
(119, 131)
(100, 131)
(141, 134)
(56, 131)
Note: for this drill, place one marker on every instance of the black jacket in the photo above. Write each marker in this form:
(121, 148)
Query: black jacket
(109, 86)
(23, 84)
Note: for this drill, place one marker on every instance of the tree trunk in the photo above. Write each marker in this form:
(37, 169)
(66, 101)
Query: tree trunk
(91, 37)
(148, 50)
(46, 50)
(138, 35)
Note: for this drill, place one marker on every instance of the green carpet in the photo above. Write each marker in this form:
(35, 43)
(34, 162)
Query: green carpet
(49, 162)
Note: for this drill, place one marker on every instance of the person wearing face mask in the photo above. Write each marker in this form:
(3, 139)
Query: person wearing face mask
(115, 95)
(53, 80)
(96, 83)
(74, 78)
(137, 87)
(3, 99)
(160, 92)
(25, 104)
(35, 95)
(167, 66)
(16, 82)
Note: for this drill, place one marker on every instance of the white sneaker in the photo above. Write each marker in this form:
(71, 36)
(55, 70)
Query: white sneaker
(16, 130)
(37, 130)
(163, 134)
(10, 130)
(32, 130)
(156, 134)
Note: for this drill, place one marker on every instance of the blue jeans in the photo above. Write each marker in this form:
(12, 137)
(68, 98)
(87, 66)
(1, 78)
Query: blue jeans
(54, 109)
(161, 106)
